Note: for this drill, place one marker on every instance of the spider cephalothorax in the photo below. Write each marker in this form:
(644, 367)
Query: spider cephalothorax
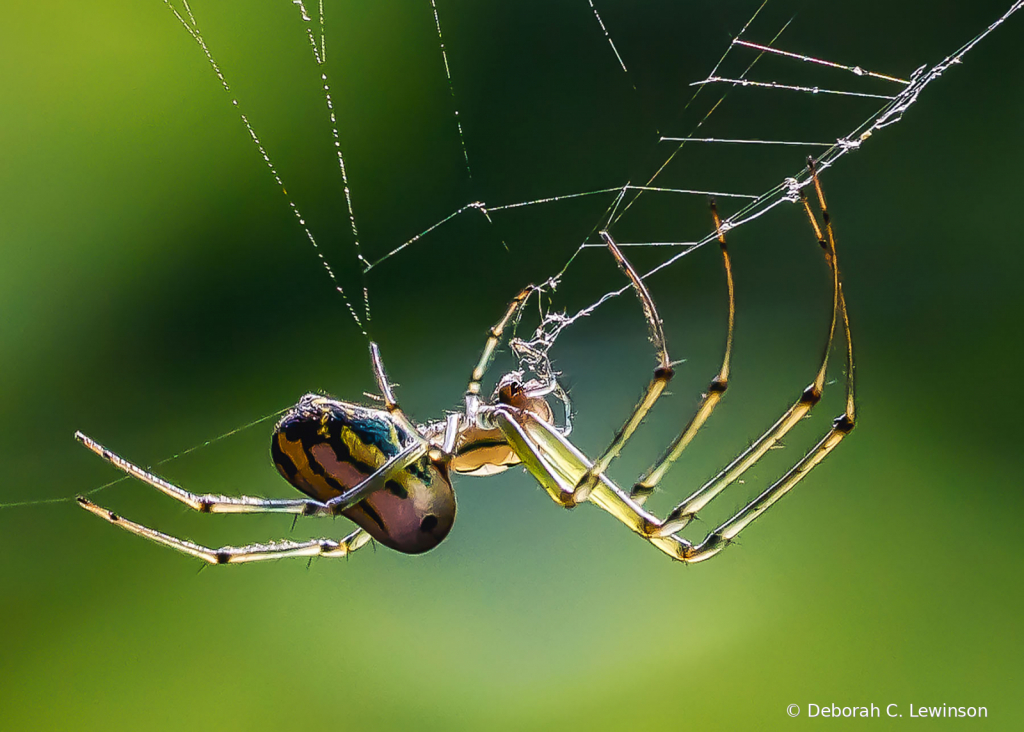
(392, 478)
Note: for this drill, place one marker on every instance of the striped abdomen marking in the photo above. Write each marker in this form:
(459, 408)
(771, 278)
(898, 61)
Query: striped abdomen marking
(324, 447)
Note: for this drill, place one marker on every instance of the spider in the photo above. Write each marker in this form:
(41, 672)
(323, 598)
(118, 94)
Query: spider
(393, 479)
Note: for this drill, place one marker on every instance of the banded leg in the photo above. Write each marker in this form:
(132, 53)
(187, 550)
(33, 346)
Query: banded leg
(555, 462)
(558, 466)
(851, 406)
(209, 503)
(388, 393)
(682, 514)
(493, 339)
(205, 503)
(439, 454)
(232, 554)
(663, 373)
(841, 427)
(716, 390)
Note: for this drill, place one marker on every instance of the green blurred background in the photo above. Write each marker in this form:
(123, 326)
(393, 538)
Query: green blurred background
(157, 292)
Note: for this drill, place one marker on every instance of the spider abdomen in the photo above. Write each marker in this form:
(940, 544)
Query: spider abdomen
(326, 447)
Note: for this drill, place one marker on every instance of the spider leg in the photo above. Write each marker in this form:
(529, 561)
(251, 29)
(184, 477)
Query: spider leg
(558, 465)
(682, 514)
(841, 427)
(438, 454)
(493, 338)
(851, 406)
(377, 480)
(663, 373)
(718, 539)
(239, 554)
(388, 392)
(716, 390)
(555, 463)
(205, 503)
(209, 503)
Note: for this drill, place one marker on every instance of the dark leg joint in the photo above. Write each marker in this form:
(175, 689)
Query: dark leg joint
(811, 395)
(664, 373)
(640, 490)
(843, 424)
(223, 557)
(714, 543)
(718, 386)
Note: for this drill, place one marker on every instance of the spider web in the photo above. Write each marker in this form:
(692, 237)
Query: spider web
(758, 67)
(760, 58)
(895, 97)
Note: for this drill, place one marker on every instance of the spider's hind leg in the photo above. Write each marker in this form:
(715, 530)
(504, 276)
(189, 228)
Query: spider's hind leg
(232, 554)
(204, 503)
(558, 466)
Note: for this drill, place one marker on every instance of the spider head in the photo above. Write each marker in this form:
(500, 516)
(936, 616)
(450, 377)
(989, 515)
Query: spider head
(528, 396)
(481, 448)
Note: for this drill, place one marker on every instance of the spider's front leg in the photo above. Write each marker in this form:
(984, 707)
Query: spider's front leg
(683, 513)
(559, 466)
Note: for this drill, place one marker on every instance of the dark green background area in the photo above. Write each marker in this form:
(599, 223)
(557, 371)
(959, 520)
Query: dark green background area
(156, 293)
